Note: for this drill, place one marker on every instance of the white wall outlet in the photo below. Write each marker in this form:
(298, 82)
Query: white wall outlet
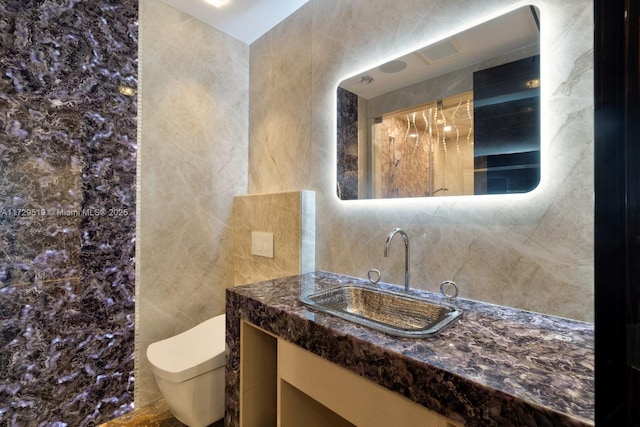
(262, 243)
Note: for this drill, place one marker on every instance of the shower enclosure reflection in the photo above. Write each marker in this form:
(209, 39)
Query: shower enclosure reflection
(424, 151)
(459, 117)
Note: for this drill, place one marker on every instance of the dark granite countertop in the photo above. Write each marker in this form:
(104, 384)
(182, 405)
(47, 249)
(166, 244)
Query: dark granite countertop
(495, 366)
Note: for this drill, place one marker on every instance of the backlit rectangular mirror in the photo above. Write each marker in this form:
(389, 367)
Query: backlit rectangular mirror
(458, 117)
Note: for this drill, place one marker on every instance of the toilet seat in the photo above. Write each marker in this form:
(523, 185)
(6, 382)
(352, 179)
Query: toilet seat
(191, 353)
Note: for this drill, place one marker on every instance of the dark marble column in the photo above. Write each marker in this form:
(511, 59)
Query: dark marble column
(347, 141)
(67, 219)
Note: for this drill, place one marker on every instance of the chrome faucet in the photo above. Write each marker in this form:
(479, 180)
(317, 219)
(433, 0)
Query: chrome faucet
(406, 253)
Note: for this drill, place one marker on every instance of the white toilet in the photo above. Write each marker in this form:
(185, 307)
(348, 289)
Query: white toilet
(189, 369)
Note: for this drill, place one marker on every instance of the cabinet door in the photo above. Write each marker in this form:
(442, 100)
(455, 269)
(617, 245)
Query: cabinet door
(506, 117)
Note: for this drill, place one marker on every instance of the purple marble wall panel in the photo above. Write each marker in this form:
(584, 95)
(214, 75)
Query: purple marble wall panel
(347, 141)
(67, 219)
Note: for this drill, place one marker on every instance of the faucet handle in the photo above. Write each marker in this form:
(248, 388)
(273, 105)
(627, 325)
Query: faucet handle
(449, 289)
(374, 276)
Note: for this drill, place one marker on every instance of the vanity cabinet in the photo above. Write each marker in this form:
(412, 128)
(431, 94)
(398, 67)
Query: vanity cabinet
(284, 385)
(287, 365)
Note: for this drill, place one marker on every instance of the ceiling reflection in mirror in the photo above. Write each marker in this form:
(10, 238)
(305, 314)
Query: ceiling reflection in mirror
(458, 117)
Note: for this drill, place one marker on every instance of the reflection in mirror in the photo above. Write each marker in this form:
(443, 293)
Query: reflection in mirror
(410, 150)
(460, 117)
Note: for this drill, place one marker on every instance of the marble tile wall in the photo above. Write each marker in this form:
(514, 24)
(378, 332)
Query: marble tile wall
(67, 199)
(193, 125)
(531, 251)
(396, 147)
(291, 219)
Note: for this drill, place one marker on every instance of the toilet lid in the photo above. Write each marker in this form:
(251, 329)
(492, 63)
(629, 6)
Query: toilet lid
(191, 353)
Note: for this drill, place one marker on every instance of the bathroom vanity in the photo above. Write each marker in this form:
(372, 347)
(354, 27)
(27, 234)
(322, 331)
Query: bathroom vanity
(289, 365)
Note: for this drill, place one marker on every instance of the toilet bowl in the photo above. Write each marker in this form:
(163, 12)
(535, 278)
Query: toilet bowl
(189, 370)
